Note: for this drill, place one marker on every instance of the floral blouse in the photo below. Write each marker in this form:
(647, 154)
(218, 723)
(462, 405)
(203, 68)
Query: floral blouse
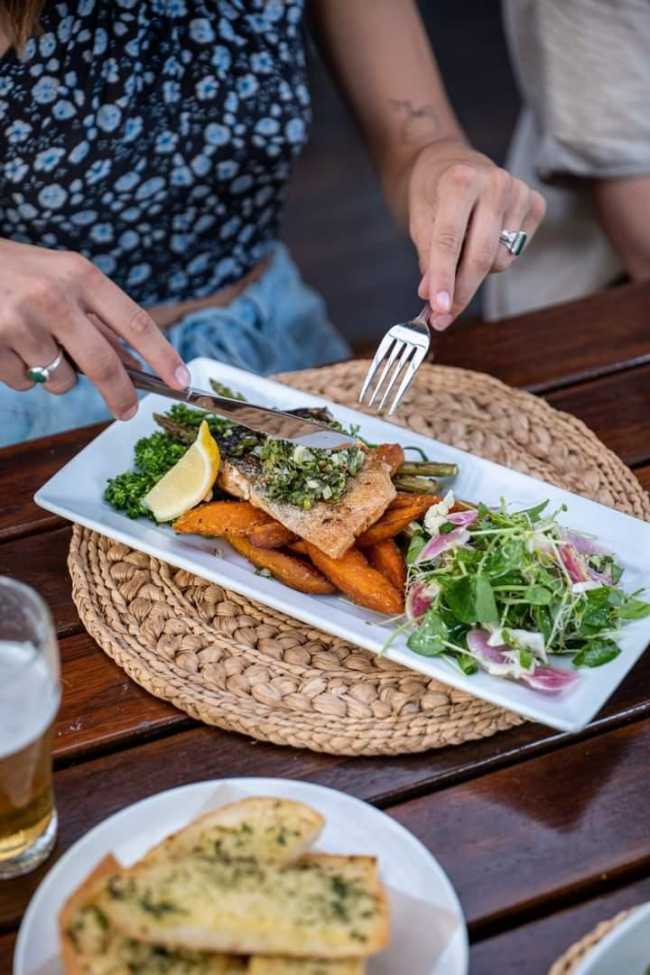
(155, 137)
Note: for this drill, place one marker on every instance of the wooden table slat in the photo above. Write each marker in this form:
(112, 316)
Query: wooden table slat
(7, 944)
(643, 474)
(616, 408)
(532, 948)
(24, 468)
(510, 841)
(41, 561)
(102, 707)
(544, 829)
(556, 346)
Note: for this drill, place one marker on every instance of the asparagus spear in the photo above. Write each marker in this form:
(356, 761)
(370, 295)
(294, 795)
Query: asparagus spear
(427, 469)
(176, 430)
(415, 485)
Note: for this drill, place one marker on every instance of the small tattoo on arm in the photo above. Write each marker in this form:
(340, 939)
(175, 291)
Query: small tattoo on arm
(418, 122)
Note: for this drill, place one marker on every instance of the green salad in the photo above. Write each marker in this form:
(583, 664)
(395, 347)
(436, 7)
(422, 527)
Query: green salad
(501, 590)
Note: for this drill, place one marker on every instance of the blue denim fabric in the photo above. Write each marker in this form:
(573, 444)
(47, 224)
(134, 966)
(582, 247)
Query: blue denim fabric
(277, 324)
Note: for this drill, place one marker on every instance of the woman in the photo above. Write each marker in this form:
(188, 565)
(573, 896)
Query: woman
(145, 150)
(583, 137)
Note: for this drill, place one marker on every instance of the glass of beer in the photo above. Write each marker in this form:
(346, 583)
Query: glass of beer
(29, 699)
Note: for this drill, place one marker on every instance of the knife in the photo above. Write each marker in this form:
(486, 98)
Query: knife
(261, 419)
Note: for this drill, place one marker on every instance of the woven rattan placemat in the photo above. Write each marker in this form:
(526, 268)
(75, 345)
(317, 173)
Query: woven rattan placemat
(241, 666)
(572, 957)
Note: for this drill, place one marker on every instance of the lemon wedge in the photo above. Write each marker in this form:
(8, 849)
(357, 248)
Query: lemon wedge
(188, 481)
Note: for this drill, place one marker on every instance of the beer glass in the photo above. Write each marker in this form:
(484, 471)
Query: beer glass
(29, 700)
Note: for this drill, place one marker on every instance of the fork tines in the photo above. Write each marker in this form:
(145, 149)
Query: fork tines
(399, 356)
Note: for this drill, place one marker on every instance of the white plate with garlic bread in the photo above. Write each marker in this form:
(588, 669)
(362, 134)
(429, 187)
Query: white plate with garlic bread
(245, 877)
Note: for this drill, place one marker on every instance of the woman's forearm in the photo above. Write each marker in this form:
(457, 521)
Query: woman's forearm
(381, 57)
(623, 206)
(453, 200)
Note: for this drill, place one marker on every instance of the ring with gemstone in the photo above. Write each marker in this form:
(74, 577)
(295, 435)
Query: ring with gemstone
(42, 374)
(514, 241)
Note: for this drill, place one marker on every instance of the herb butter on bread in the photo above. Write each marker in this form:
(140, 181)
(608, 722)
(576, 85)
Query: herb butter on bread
(258, 828)
(321, 906)
(233, 893)
(91, 946)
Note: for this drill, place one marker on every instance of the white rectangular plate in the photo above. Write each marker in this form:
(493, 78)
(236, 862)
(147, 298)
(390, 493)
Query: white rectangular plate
(75, 492)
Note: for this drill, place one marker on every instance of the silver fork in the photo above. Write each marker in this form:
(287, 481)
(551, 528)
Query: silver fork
(401, 353)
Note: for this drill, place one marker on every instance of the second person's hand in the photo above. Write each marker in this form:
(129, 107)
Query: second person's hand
(459, 202)
(53, 300)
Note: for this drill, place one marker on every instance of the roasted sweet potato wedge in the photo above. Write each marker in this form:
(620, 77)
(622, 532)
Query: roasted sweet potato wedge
(397, 518)
(391, 454)
(299, 547)
(404, 499)
(386, 558)
(220, 517)
(357, 579)
(293, 572)
(271, 535)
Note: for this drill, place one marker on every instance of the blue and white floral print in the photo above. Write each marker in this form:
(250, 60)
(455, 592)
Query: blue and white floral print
(154, 136)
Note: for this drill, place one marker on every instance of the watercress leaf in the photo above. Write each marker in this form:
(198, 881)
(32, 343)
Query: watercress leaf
(416, 545)
(616, 571)
(596, 653)
(543, 621)
(634, 609)
(598, 597)
(485, 604)
(507, 557)
(538, 596)
(615, 597)
(428, 639)
(461, 599)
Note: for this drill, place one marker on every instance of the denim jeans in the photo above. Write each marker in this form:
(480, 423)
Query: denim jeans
(276, 324)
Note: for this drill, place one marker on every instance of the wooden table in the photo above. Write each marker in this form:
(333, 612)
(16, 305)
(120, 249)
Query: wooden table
(542, 833)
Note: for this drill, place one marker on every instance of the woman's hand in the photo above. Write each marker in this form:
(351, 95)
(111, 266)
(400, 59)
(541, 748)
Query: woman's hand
(55, 299)
(458, 204)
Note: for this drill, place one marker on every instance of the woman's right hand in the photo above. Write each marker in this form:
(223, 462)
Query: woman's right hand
(55, 299)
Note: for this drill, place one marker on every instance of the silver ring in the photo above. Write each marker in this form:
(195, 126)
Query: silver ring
(41, 374)
(514, 241)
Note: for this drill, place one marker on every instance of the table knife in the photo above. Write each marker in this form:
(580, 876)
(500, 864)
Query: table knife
(261, 419)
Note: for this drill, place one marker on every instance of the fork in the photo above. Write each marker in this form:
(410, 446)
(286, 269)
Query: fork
(401, 353)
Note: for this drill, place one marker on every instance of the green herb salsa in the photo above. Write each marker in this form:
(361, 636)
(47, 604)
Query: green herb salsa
(294, 475)
(302, 476)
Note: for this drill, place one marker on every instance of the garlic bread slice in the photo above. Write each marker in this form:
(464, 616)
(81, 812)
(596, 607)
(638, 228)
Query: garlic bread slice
(322, 906)
(265, 965)
(257, 828)
(90, 945)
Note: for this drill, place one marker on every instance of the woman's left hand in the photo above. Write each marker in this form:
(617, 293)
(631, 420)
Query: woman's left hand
(459, 202)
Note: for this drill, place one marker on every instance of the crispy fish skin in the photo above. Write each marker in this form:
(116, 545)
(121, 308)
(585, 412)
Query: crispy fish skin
(330, 527)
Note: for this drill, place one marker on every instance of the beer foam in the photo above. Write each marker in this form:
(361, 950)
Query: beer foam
(29, 696)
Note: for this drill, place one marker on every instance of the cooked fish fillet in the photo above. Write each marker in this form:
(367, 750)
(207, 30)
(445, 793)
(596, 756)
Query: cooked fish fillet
(330, 527)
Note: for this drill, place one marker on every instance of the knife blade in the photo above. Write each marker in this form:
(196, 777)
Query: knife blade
(261, 419)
